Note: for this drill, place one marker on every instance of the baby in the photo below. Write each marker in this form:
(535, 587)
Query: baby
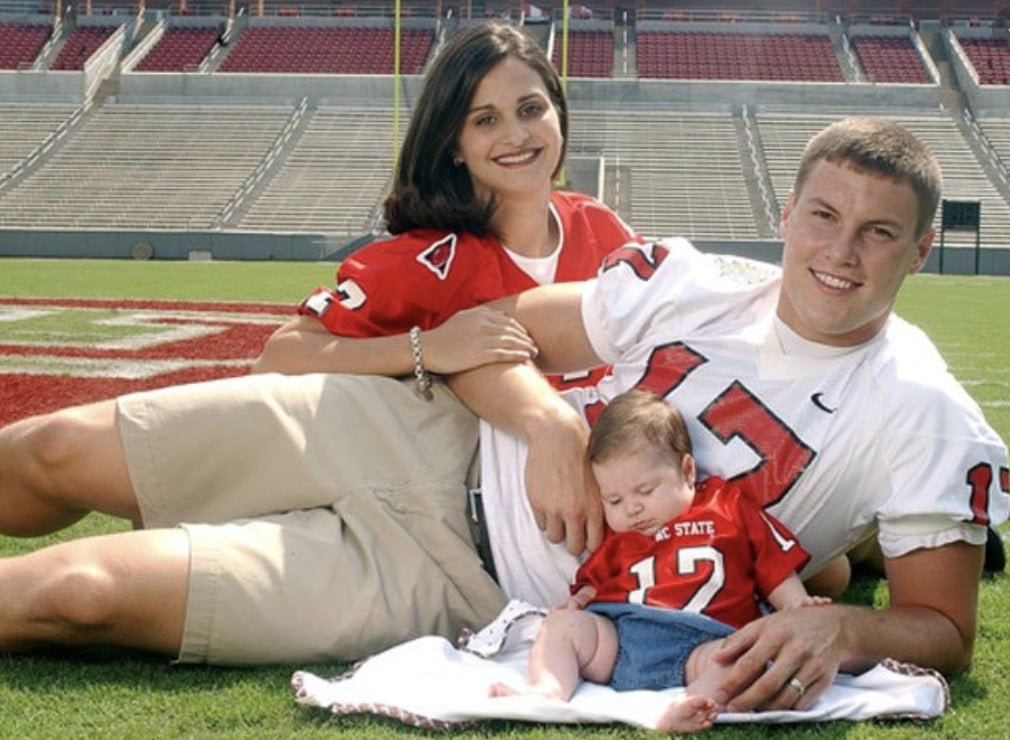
(683, 565)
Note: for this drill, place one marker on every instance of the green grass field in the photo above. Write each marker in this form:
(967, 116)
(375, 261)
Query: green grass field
(100, 694)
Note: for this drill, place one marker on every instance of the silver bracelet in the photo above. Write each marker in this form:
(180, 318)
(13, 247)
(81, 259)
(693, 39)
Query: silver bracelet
(422, 380)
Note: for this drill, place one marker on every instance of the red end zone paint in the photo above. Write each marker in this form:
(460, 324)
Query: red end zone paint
(175, 342)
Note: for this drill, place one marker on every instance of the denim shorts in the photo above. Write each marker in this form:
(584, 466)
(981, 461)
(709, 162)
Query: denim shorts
(654, 643)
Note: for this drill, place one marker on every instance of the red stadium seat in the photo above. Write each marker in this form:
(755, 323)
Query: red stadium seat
(327, 50)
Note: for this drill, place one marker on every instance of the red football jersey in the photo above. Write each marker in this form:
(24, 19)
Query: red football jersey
(719, 558)
(422, 277)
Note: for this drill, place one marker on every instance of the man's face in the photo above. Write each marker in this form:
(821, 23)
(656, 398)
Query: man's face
(849, 241)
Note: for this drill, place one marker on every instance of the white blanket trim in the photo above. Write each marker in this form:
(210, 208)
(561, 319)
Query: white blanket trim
(429, 683)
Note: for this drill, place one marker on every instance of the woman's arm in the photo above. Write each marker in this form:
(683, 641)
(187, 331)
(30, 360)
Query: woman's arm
(470, 338)
(518, 399)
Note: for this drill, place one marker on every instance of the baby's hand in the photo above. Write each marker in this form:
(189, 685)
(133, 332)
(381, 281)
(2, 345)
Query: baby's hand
(812, 601)
(579, 600)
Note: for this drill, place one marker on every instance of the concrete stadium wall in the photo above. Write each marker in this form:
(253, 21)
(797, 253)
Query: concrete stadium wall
(378, 90)
(169, 245)
(174, 245)
(592, 94)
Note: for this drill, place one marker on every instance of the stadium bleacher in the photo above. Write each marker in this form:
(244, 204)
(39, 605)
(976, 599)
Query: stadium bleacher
(181, 48)
(590, 54)
(692, 119)
(991, 59)
(326, 50)
(797, 57)
(146, 165)
(20, 43)
(890, 59)
(80, 45)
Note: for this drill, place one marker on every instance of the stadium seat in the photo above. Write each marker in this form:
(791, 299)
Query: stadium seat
(890, 59)
(737, 56)
(180, 48)
(590, 53)
(327, 50)
(990, 58)
(20, 44)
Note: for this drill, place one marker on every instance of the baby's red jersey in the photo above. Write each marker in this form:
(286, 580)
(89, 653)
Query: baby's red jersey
(720, 558)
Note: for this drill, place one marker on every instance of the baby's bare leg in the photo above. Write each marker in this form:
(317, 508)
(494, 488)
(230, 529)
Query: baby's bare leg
(570, 645)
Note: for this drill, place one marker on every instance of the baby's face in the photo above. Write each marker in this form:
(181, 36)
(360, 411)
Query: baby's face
(642, 491)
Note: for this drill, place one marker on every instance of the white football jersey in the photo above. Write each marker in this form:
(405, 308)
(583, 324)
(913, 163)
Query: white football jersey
(840, 444)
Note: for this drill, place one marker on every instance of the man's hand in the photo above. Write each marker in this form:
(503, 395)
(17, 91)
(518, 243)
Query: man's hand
(784, 660)
(559, 482)
(788, 659)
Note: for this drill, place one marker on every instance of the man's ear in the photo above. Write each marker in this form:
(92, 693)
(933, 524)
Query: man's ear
(787, 209)
(922, 248)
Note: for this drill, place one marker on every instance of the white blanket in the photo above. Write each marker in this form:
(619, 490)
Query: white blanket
(429, 683)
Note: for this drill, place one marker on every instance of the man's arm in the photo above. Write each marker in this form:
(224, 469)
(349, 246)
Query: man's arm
(552, 314)
(931, 622)
(518, 399)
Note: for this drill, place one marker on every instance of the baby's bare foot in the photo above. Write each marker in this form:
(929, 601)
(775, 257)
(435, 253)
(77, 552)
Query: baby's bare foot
(499, 689)
(689, 714)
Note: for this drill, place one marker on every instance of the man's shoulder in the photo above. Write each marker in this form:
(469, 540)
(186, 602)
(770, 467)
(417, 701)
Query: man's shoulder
(910, 374)
(907, 357)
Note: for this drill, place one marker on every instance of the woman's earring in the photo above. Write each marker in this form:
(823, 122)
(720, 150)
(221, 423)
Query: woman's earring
(457, 161)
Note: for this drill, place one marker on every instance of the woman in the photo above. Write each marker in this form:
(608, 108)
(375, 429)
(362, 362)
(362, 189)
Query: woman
(474, 218)
(318, 516)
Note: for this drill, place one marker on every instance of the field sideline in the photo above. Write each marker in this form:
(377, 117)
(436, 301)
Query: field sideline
(129, 695)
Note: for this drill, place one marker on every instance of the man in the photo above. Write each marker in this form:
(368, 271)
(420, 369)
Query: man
(805, 390)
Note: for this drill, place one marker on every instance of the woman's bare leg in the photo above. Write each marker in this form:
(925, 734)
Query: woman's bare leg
(57, 467)
(128, 589)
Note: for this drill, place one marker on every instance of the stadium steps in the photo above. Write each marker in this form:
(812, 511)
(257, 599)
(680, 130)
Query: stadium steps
(994, 132)
(843, 53)
(259, 178)
(228, 42)
(55, 46)
(759, 187)
(625, 46)
(30, 134)
(332, 177)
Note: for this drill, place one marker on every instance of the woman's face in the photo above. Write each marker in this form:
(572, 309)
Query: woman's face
(510, 141)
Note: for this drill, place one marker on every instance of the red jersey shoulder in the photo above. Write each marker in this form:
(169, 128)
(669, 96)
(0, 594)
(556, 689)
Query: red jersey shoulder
(439, 255)
(423, 252)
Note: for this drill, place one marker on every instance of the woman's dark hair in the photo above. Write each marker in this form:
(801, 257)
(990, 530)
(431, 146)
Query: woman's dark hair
(429, 191)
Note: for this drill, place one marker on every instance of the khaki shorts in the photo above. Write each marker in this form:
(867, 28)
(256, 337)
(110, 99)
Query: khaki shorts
(326, 513)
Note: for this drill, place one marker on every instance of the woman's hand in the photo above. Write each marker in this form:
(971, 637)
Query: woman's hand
(474, 337)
